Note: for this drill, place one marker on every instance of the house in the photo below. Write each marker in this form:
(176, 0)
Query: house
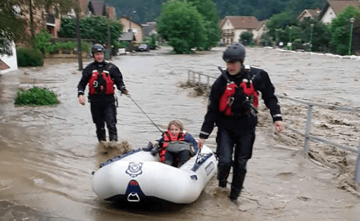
(260, 31)
(232, 27)
(309, 13)
(8, 63)
(132, 26)
(149, 29)
(332, 9)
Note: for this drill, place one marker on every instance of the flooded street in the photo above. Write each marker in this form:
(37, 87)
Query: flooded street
(47, 154)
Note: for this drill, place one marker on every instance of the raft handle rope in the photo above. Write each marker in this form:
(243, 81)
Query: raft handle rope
(144, 113)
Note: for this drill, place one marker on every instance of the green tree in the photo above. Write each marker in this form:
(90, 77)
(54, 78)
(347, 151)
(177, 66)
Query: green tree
(182, 26)
(278, 25)
(12, 26)
(207, 9)
(246, 38)
(320, 34)
(340, 30)
(93, 27)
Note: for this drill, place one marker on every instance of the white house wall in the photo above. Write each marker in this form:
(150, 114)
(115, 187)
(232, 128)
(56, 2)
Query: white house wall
(11, 61)
(328, 16)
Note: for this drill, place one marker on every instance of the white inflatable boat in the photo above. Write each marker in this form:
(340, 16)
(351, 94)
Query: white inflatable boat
(138, 176)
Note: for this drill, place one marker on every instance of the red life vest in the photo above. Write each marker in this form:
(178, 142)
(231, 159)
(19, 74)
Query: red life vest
(101, 83)
(168, 137)
(227, 98)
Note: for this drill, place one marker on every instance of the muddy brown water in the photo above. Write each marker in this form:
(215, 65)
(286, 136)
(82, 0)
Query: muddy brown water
(47, 154)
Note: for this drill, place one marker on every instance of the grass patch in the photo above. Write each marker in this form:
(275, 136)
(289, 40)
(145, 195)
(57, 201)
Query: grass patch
(36, 96)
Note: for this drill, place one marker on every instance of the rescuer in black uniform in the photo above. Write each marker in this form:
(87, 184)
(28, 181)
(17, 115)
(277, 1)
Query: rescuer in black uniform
(233, 109)
(102, 76)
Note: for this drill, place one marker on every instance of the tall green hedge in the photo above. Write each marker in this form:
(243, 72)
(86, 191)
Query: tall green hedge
(27, 57)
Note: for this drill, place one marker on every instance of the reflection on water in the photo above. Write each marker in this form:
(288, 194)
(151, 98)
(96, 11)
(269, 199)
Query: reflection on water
(48, 153)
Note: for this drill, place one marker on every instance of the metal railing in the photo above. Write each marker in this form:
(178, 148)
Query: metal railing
(193, 76)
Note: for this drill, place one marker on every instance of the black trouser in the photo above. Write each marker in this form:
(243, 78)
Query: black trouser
(183, 156)
(101, 113)
(243, 143)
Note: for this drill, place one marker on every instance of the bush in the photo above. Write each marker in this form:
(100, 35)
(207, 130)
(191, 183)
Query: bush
(28, 57)
(35, 96)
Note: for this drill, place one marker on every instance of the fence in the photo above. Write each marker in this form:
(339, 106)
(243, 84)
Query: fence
(192, 76)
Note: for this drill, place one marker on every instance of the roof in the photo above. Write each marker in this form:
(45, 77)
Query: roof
(262, 23)
(243, 22)
(128, 36)
(127, 18)
(3, 65)
(148, 28)
(338, 5)
(97, 7)
(314, 13)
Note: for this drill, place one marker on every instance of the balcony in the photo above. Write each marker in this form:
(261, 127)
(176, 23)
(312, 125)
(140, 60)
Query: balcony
(50, 20)
(227, 35)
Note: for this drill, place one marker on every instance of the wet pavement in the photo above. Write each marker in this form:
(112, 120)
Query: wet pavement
(47, 154)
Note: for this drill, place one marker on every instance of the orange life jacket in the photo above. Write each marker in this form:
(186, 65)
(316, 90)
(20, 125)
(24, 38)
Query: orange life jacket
(227, 98)
(168, 137)
(101, 83)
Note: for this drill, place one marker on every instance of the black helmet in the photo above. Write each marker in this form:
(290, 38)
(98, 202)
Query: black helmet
(235, 52)
(97, 48)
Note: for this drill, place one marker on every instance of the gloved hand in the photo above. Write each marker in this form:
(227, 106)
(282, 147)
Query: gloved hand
(125, 91)
(155, 150)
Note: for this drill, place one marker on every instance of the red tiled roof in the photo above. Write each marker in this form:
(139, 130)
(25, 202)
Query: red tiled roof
(243, 22)
(3, 65)
(338, 5)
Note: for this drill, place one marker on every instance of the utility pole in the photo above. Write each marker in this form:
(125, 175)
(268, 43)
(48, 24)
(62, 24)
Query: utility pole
(108, 31)
(79, 52)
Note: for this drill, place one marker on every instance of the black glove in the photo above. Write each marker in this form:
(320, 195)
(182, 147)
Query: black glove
(155, 150)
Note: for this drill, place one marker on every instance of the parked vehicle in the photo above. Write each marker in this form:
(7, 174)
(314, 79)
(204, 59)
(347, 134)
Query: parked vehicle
(143, 47)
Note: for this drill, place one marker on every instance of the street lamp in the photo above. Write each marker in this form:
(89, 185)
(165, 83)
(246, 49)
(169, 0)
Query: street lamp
(130, 17)
(277, 36)
(351, 30)
(290, 44)
(311, 35)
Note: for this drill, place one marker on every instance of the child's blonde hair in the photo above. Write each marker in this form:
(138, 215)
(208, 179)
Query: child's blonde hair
(176, 123)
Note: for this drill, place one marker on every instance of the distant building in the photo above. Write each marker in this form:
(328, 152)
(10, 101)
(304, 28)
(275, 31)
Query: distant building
(332, 9)
(309, 13)
(232, 27)
(132, 26)
(149, 29)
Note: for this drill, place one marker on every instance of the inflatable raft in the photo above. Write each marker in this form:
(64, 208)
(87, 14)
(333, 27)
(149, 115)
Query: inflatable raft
(138, 176)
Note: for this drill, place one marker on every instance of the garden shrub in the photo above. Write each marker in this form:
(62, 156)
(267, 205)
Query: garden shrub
(28, 57)
(36, 96)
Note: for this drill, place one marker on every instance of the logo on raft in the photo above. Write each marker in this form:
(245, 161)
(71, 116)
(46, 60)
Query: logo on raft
(210, 167)
(134, 169)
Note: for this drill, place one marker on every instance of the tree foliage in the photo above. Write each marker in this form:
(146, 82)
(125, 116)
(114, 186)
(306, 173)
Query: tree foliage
(93, 27)
(15, 25)
(207, 9)
(182, 26)
(148, 10)
(340, 30)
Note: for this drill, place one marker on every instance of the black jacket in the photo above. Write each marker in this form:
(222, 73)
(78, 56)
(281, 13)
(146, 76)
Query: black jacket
(100, 67)
(246, 122)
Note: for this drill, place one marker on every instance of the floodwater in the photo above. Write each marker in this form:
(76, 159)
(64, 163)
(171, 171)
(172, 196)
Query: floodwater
(47, 154)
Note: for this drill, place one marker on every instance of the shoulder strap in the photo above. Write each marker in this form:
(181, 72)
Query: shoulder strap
(108, 66)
